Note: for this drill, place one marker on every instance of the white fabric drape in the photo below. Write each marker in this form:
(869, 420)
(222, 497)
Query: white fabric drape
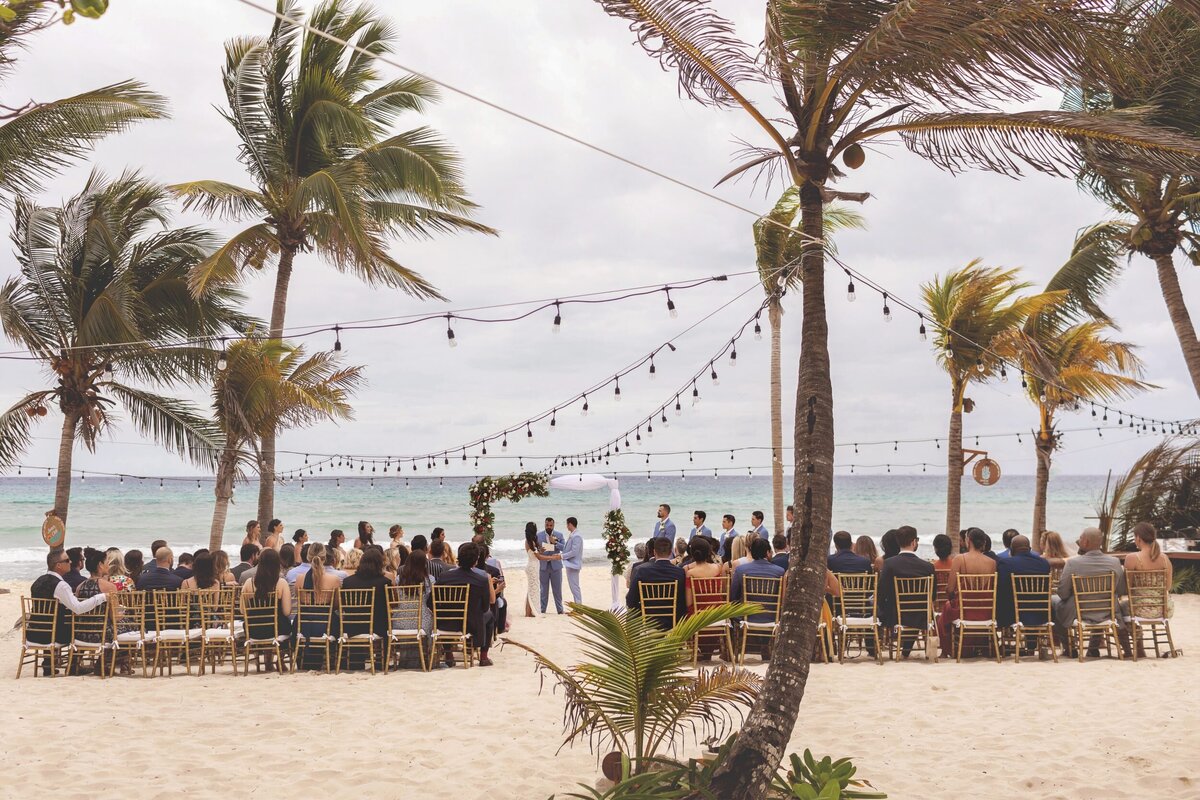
(589, 483)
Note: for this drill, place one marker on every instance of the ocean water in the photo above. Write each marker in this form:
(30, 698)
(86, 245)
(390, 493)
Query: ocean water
(107, 513)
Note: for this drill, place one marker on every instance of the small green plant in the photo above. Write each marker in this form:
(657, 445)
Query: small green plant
(809, 779)
(1186, 581)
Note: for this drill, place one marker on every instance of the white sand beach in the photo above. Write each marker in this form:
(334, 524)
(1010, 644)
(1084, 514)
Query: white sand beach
(972, 730)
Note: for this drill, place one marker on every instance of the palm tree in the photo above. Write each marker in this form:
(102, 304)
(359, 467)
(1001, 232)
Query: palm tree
(638, 694)
(779, 246)
(270, 385)
(978, 318)
(37, 139)
(1158, 79)
(102, 297)
(314, 122)
(849, 74)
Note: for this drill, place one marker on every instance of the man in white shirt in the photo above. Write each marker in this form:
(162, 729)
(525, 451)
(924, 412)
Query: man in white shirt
(53, 586)
(572, 558)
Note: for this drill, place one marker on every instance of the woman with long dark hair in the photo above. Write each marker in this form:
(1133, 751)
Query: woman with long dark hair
(268, 579)
(533, 570)
(414, 616)
(203, 575)
(366, 535)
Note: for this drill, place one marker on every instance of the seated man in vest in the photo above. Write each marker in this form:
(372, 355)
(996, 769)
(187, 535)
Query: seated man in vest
(52, 586)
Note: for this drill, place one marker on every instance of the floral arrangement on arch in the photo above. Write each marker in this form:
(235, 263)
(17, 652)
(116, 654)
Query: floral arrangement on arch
(616, 540)
(512, 488)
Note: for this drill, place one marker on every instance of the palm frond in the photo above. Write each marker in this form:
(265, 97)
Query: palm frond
(16, 426)
(1096, 262)
(174, 424)
(249, 248)
(220, 199)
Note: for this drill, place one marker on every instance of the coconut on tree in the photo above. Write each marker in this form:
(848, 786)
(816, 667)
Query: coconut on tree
(101, 300)
(329, 176)
(270, 385)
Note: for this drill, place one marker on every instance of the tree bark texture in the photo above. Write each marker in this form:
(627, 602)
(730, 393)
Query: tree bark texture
(1177, 310)
(954, 469)
(223, 490)
(66, 452)
(775, 316)
(1045, 451)
(266, 458)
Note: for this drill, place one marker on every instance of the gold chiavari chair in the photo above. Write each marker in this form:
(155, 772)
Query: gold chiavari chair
(709, 593)
(218, 620)
(129, 609)
(450, 621)
(314, 625)
(39, 635)
(91, 639)
(914, 604)
(762, 592)
(407, 614)
(1148, 606)
(1034, 612)
(941, 583)
(260, 620)
(659, 602)
(857, 618)
(175, 628)
(356, 625)
(976, 612)
(1095, 613)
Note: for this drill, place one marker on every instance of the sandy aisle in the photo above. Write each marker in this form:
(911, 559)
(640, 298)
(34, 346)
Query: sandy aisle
(984, 730)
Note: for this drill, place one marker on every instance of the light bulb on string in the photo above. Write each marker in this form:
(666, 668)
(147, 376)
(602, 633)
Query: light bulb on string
(617, 390)
(450, 340)
(528, 433)
(1024, 383)
(921, 331)
(850, 295)
(504, 443)
(337, 339)
(682, 475)
(678, 407)
(639, 434)
(222, 358)
(584, 411)
(557, 318)
(160, 484)
(713, 374)
(671, 305)
(695, 394)
(1003, 372)
(554, 420)
(665, 423)
(733, 357)
(653, 370)
(979, 365)
(650, 430)
(757, 330)
(887, 312)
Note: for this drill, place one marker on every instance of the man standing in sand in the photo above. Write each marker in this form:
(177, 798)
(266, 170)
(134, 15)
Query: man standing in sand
(664, 528)
(727, 533)
(756, 526)
(698, 526)
(550, 570)
(572, 558)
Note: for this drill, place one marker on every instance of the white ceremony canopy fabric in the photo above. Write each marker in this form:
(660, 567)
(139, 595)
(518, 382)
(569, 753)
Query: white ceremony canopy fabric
(590, 483)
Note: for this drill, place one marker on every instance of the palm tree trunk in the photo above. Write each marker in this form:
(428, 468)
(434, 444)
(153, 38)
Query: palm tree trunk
(223, 490)
(775, 316)
(1177, 310)
(763, 739)
(1045, 450)
(66, 452)
(266, 456)
(954, 469)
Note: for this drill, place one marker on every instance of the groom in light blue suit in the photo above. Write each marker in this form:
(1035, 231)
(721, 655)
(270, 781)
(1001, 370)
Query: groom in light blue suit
(550, 572)
(572, 558)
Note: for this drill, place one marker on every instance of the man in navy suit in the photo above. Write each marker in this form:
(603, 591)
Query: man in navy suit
(660, 570)
(664, 528)
(780, 545)
(907, 564)
(844, 559)
(1020, 561)
(550, 571)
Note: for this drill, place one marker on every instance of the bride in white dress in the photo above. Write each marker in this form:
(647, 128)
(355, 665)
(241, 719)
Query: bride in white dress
(533, 569)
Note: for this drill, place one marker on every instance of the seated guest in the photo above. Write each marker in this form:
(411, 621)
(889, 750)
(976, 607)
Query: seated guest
(51, 586)
(943, 546)
(268, 579)
(480, 598)
(660, 570)
(439, 535)
(890, 548)
(74, 577)
(757, 567)
(336, 539)
(703, 565)
(350, 562)
(1053, 549)
(681, 550)
(644, 554)
(906, 564)
(184, 568)
(780, 544)
(414, 616)
(1021, 560)
(134, 565)
(299, 538)
(864, 546)
(253, 534)
(500, 606)
(117, 574)
(97, 583)
(203, 577)
(159, 575)
(419, 542)
(249, 556)
(740, 550)
(297, 571)
(369, 575)
(1007, 538)
(288, 557)
(1092, 560)
(438, 563)
(391, 563)
(844, 558)
(973, 562)
(1149, 556)
(318, 576)
(157, 543)
(221, 568)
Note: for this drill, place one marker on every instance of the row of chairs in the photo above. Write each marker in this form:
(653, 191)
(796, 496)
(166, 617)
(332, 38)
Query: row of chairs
(856, 620)
(161, 628)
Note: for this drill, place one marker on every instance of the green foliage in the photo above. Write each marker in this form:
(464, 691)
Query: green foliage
(1186, 580)
(512, 488)
(616, 540)
(809, 779)
(1158, 489)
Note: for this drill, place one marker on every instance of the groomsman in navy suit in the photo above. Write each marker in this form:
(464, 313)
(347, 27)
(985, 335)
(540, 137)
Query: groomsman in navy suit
(550, 571)
(664, 528)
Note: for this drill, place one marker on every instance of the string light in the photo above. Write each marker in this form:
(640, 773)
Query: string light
(716, 380)
(887, 312)
(671, 305)
(617, 390)
(450, 333)
(337, 339)
(222, 358)
(924, 336)
(652, 368)
(557, 327)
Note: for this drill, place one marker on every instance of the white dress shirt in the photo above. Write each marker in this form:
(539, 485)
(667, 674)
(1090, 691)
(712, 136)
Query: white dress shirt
(64, 595)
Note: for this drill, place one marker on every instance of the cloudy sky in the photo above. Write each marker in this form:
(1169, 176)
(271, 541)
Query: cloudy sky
(573, 221)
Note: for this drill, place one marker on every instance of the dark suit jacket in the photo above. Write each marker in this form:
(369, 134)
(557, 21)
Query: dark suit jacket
(658, 571)
(1027, 563)
(479, 610)
(380, 625)
(239, 569)
(847, 561)
(183, 572)
(905, 565)
(780, 560)
(156, 577)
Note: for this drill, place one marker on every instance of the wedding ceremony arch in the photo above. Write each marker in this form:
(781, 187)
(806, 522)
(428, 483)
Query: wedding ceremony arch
(514, 488)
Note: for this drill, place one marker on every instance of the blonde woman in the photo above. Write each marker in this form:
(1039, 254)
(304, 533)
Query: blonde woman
(352, 560)
(318, 576)
(741, 550)
(1053, 549)
(1149, 555)
(117, 575)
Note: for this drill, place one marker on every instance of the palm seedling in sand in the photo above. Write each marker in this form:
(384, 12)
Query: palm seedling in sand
(102, 302)
(314, 120)
(269, 385)
(849, 74)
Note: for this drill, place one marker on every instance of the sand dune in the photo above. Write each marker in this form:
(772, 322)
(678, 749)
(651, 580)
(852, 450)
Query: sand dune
(1100, 729)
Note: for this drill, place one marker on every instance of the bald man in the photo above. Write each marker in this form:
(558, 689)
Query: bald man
(1092, 560)
(1021, 560)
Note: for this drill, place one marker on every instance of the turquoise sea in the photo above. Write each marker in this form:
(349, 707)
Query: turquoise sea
(105, 512)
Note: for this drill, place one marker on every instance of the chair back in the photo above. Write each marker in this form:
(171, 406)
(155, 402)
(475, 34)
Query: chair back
(356, 611)
(1148, 593)
(1055, 575)
(218, 607)
(172, 610)
(260, 617)
(1095, 597)
(39, 619)
(764, 592)
(406, 606)
(658, 600)
(914, 601)
(977, 596)
(858, 594)
(941, 584)
(450, 607)
(314, 612)
(1031, 599)
(93, 627)
(129, 610)
(709, 592)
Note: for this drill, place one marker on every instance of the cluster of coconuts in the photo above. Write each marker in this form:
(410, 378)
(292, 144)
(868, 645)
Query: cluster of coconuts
(36, 411)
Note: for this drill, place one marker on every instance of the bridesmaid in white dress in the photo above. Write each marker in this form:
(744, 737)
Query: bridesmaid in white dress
(533, 569)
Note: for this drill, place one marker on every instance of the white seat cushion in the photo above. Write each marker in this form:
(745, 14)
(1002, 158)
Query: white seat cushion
(1146, 620)
(762, 626)
(360, 637)
(857, 622)
(280, 638)
(129, 637)
(218, 634)
(405, 632)
(79, 644)
(54, 645)
(974, 623)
